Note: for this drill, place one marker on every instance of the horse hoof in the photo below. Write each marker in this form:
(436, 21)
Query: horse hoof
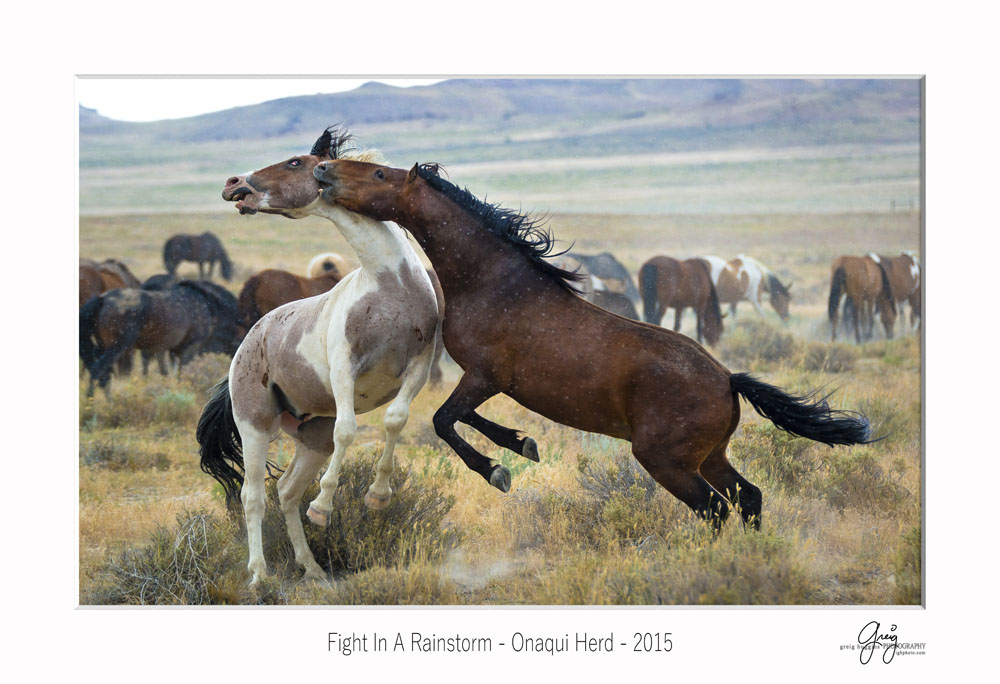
(376, 503)
(317, 517)
(500, 478)
(530, 449)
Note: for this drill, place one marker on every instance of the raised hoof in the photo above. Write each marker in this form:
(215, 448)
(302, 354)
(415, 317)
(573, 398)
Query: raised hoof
(376, 503)
(500, 478)
(530, 449)
(317, 517)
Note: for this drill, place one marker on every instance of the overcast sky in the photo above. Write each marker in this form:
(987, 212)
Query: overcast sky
(152, 99)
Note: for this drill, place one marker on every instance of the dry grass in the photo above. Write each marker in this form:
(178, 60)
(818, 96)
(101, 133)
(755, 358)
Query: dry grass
(583, 526)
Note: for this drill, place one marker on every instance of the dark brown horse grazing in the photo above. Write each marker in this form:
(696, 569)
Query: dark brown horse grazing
(903, 272)
(272, 287)
(204, 249)
(666, 282)
(865, 285)
(516, 327)
(184, 320)
(607, 294)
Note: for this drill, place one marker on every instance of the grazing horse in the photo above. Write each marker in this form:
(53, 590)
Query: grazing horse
(202, 249)
(516, 326)
(744, 279)
(311, 365)
(109, 274)
(903, 272)
(615, 277)
(607, 294)
(266, 291)
(329, 262)
(865, 285)
(191, 317)
(667, 282)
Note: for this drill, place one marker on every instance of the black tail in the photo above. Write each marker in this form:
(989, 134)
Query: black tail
(647, 285)
(802, 416)
(887, 289)
(836, 289)
(88, 324)
(221, 446)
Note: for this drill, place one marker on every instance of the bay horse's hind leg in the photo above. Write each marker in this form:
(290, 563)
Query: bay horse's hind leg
(515, 440)
(470, 393)
(396, 416)
(673, 468)
(741, 492)
(313, 445)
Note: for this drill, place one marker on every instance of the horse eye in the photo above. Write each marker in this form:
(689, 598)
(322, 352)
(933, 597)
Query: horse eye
(294, 162)
(379, 174)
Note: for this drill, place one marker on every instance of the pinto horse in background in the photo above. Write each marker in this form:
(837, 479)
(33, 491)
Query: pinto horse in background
(327, 263)
(864, 285)
(903, 272)
(202, 249)
(608, 294)
(666, 282)
(619, 293)
(744, 279)
(266, 291)
(516, 326)
(311, 365)
(184, 320)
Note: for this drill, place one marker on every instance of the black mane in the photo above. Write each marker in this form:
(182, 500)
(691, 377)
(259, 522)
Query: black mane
(525, 233)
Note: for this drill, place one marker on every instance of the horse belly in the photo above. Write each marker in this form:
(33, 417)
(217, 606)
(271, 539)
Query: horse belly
(375, 389)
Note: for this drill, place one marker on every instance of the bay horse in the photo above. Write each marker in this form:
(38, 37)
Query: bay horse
(204, 249)
(109, 274)
(265, 291)
(863, 283)
(609, 295)
(328, 262)
(903, 273)
(744, 279)
(666, 282)
(310, 366)
(516, 326)
(184, 320)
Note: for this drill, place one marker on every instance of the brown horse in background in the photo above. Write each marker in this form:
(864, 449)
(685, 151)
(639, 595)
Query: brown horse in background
(272, 287)
(516, 326)
(204, 249)
(903, 272)
(666, 282)
(865, 285)
(109, 274)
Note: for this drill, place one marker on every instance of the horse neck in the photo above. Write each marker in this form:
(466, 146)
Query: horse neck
(462, 251)
(377, 244)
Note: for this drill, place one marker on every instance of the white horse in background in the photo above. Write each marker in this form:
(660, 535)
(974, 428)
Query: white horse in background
(310, 366)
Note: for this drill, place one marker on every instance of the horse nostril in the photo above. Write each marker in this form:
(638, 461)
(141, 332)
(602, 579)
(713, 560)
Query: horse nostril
(233, 181)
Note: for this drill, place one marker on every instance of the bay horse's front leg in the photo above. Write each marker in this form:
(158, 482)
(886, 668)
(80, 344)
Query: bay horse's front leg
(515, 440)
(344, 430)
(470, 393)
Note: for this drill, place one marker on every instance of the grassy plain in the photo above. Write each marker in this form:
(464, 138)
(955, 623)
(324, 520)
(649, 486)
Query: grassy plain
(583, 526)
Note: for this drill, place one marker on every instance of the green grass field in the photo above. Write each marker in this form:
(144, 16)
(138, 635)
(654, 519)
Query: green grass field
(583, 526)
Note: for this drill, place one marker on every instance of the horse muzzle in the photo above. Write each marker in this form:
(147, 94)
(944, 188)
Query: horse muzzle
(239, 190)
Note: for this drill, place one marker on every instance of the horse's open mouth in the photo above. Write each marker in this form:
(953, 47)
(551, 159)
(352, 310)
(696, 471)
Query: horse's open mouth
(247, 201)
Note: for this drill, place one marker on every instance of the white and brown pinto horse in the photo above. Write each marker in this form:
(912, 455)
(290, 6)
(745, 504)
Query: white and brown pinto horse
(903, 273)
(744, 279)
(310, 366)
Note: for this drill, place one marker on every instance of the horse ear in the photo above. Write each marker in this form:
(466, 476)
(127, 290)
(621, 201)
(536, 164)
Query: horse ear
(412, 175)
(321, 148)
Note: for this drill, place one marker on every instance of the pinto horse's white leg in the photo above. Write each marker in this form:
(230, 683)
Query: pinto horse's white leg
(396, 416)
(344, 431)
(255, 443)
(292, 484)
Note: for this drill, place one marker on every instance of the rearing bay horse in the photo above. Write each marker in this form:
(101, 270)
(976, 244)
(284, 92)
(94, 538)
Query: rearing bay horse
(310, 366)
(514, 324)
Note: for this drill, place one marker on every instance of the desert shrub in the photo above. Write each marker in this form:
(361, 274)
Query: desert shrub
(828, 358)
(753, 341)
(175, 407)
(196, 563)
(621, 475)
(204, 370)
(118, 454)
(779, 456)
(887, 421)
(420, 584)
(139, 403)
(855, 479)
(906, 569)
(411, 526)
